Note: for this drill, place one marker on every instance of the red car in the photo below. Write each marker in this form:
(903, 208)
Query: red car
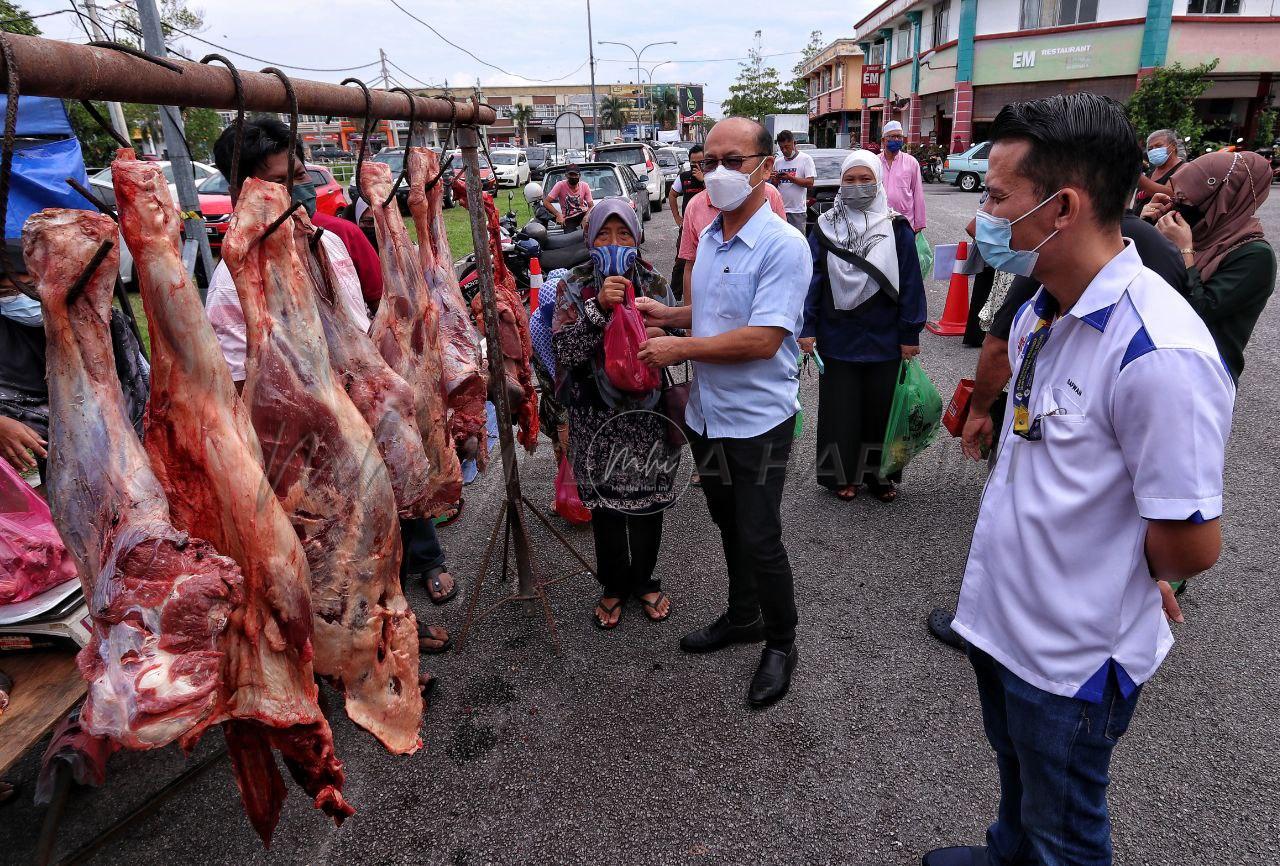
(215, 201)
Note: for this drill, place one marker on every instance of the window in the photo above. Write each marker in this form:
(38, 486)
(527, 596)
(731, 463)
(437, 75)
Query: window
(839, 70)
(902, 47)
(941, 23)
(1057, 13)
(1213, 7)
(877, 54)
(1077, 11)
(316, 176)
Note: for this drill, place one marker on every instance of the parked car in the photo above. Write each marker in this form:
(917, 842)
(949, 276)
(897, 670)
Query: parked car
(511, 166)
(967, 170)
(607, 180)
(330, 152)
(643, 161)
(540, 159)
(822, 195)
(671, 163)
(101, 186)
(215, 201)
(570, 156)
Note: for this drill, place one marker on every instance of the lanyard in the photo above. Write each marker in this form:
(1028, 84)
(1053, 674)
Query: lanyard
(1023, 424)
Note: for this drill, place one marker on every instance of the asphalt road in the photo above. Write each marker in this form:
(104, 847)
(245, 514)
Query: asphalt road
(624, 750)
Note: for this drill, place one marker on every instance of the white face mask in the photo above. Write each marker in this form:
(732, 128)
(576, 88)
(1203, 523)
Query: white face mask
(22, 309)
(728, 189)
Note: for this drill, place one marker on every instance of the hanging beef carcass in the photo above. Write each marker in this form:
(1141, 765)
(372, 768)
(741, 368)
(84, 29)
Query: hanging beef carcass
(406, 331)
(513, 336)
(383, 397)
(159, 599)
(465, 379)
(207, 457)
(324, 464)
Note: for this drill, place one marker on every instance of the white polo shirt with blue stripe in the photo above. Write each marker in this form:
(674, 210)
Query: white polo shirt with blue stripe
(1135, 407)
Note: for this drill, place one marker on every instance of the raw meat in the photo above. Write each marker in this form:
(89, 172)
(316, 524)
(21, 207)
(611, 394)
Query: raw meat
(159, 600)
(32, 556)
(207, 457)
(323, 462)
(383, 397)
(513, 336)
(465, 379)
(406, 331)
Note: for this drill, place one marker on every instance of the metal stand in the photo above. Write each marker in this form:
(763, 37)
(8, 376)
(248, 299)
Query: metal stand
(512, 521)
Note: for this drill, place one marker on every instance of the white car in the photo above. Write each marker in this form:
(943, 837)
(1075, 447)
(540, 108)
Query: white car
(510, 166)
(643, 161)
(101, 186)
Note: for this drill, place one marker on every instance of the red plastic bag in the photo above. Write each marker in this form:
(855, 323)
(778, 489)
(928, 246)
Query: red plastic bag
(568, 503)
(623, 336)
(32, 555)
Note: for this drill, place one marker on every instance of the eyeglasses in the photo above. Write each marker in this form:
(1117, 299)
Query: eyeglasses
(733, 163)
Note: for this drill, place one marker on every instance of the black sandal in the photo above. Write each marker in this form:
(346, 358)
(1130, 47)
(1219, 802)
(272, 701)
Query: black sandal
(435, 586)
(847, 497)
(651, 607)
(887, 493)
(609, 610)
(425, 635)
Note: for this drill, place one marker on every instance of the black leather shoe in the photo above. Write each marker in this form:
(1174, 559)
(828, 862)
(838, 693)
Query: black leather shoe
(962, 855)
(721, 634)
(773, 677)
(940, 627)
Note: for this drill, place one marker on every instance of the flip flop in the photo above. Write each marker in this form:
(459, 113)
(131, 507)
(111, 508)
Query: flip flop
(651, 607)
(608, 609)
(435, 586)
(847, 497)
(446, 519)
(431, 649)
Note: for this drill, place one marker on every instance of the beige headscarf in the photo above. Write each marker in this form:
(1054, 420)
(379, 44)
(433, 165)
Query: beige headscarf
(1228, 188)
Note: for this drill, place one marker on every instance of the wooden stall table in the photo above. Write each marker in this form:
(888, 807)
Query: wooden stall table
(46, 686)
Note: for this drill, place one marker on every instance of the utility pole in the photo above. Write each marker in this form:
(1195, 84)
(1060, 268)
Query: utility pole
(196, 246)
(595, 106)
(393, 140)
(116, 112)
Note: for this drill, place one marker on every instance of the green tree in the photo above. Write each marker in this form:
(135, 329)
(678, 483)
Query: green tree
(1266, 128)
(15, 19)
(521, 116)
(1166, 100)
(797, 94)
(175, 17)
(613, 113)
(667, 109)
(758, 89)
(203, 126)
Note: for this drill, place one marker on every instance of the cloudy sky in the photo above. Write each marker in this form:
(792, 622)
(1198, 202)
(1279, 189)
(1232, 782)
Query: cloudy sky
(543, 40)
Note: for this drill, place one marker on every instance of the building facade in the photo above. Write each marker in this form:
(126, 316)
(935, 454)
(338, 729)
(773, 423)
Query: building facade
(834, 79)
(949, 66)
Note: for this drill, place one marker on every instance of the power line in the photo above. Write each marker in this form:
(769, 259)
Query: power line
(409, 74)
(477, 59)
(631, 62)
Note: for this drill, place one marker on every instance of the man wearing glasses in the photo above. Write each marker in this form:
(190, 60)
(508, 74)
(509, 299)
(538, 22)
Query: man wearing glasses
(750, 282)
(1109, 480)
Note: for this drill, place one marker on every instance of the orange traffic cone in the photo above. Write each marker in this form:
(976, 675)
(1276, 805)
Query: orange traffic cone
(955, 315)
(535, 281)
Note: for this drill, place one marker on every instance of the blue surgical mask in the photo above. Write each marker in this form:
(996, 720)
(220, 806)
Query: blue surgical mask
(613, 260)
(23, 310)
(995, 234)
(894, 145)
(1158, 156)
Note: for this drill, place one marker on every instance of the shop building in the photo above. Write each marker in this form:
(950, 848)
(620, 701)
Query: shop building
(945, 68)
(834, 79)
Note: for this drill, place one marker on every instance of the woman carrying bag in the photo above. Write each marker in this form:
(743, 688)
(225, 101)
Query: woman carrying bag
(865, 310)
(618, 445)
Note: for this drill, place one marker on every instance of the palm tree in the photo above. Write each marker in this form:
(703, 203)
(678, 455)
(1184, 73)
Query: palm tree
(613, 113)
(668, 109)
(521, 115)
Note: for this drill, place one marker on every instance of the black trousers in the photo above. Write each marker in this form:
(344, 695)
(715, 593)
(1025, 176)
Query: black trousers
(982, 283)
(627, 551)
(743, 480)
(677, 270)
(854, 399)
(422, 550)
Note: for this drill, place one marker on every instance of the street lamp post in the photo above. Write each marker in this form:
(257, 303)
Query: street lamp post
(638, 54)
(653, 116)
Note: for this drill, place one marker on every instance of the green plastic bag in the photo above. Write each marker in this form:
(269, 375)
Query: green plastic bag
(925, 252)
(913, 419)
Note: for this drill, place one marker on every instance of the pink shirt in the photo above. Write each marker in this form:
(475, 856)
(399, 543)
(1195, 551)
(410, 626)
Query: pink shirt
(698, 214)
(903, 187)
(572, 201)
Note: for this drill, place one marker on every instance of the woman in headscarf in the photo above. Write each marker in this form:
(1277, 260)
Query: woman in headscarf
(1211, 219)
(624, 465)
(865, 310)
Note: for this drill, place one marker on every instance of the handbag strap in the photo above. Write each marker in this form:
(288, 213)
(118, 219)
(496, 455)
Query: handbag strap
(859, 262)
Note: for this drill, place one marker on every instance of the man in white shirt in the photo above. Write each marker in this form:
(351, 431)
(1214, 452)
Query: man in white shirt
(1108, 479)
(793, 175)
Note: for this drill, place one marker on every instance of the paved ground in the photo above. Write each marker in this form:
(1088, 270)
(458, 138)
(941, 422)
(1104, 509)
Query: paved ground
(623, 750)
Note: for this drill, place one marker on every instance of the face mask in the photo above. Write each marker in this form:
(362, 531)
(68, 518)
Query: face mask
(613, 260)
(22, 309)
(994, 234)
(728, 189)
(894, 145)
(305, 195)
(858, 195)
(1158, 156)
(372, 235)
(1189, 212)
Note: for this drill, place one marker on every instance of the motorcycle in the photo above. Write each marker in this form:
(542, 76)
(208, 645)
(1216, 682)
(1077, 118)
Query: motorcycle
(931, 169)
(520, 246)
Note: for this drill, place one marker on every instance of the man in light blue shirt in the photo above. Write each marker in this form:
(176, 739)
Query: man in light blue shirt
(750, 279)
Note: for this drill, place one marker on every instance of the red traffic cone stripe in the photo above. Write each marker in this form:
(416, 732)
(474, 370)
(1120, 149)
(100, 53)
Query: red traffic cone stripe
(955, 315)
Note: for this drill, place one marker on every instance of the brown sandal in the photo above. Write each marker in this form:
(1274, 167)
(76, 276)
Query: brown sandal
(651, 607)
(847, 494)
(433, 639)
(610, 610)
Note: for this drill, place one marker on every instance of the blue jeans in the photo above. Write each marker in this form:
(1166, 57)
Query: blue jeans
(1053, 754)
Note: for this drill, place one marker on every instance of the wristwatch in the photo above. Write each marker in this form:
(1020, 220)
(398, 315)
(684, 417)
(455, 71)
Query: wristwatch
(1188, 252)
